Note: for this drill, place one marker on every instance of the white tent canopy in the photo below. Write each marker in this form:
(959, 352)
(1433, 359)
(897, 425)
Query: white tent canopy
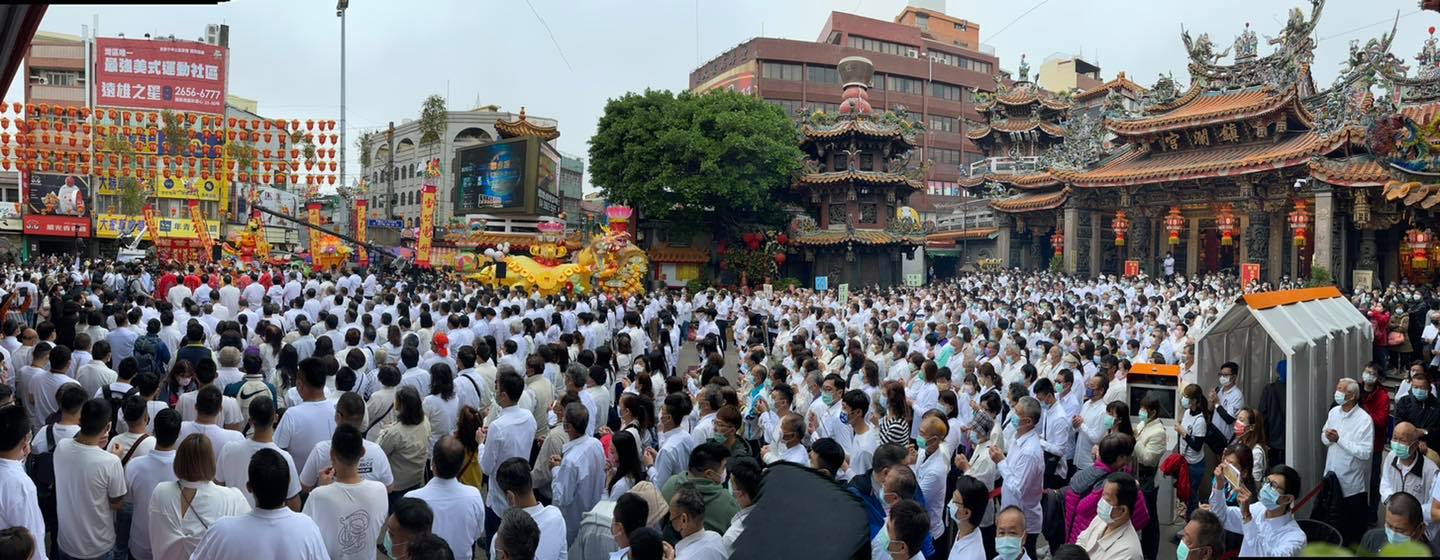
(1322, 338)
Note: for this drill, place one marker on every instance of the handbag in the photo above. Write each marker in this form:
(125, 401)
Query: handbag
(1395, 338)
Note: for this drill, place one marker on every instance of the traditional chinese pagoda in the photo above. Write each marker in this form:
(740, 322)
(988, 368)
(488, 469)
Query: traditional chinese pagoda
(856, 180)
(1021, 121)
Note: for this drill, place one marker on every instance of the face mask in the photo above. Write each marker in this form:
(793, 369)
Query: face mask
(1015, 421)
(388, 546)
(882, 539)
(1400, 450)
(1340, 398)
(884, 402)
(954, 510)
(1185, 403)
(717, 438)
(1144, 416)
(1270, 498)
(1369, 378)
(1103, 511)
(828, 399)
(1225, 380)
(1089, 393)
(1008, 547)
(921, 443)
(1239, 428)
(1419, 394)
(975, 437)
(1394, 537)
(1059, 388)
(1182, 552)
(1109, 423)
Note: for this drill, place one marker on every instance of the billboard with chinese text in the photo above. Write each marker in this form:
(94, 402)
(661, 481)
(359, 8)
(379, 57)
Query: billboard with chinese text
(112, 226)
(160, 74)
(57, 205)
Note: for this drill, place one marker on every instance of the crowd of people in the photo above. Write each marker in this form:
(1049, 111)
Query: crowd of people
(212, 412)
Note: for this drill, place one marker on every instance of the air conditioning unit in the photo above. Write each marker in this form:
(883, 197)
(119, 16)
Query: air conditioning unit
(912, 53)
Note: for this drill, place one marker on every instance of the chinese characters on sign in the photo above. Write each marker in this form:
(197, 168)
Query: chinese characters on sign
(427, 226)
(159, 74)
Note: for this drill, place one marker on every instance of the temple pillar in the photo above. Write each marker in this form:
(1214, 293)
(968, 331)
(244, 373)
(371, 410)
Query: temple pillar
(1097, 251)
(1002, 239)
(1257, 239)
(1192, 246)
(1368, 252)
(1071, 229)
(1324, 230)
(1275, 257)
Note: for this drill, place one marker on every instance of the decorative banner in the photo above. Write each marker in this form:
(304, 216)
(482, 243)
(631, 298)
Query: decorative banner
(1132, 268)
(844, 294)
(360, 210)
(378, 223)
(822, 283)
(146, 74)
(151, 224)
(427, 226)
(112, 226)
(201, 231)
(913, 280)
(57, 205)
(313, 209)
(1362, 279)
(1249, 274)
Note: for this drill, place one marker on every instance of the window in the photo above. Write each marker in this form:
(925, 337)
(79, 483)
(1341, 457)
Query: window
(867, 161)
(941, 123)
(56, 78)
(923, 20)
(837, 162)
(791, 107)
(837, 214)
(868, 213)
(780, 71)
(876, 45)
(822, 75)
(945, 156)
(960, 62)
(828, 108)
(945, 91)
(904, 85)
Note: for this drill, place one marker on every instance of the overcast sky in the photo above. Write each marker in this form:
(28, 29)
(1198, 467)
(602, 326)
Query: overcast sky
(286, 53)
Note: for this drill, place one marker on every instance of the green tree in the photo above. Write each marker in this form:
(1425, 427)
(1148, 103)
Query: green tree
(434, 118)
(131, 192)
(719, 159)
(176, 133)
(365, 143)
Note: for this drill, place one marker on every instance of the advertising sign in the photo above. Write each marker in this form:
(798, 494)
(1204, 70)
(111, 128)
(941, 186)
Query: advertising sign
(360, 209)
(10, 219)
(187, 188)
(1132, 268)
(822, 283)
(197, 222)
(492, 177)
(378, 223)
(740, 78)
(113, 226)
(57, 205)
(844, 294)
(1249, 274)
(427, 226)
(286, 203)
(152, 226)
(915, 280)
(160, 74)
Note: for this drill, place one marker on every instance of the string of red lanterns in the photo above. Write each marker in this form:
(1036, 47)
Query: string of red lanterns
(1300, 220)
(1174, 222)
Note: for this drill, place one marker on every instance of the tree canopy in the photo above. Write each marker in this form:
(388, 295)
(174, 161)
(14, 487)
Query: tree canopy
(719, 159)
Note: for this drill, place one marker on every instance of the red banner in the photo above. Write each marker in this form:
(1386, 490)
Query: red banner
(360, 215)
(1249, 274)
(152, 225)
(160, 74)
(57, 226)
(427, 226)
(202, 233)
(1132, 269)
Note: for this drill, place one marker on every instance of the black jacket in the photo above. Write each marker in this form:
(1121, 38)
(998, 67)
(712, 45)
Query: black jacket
(1272, 409)
(1424, 414)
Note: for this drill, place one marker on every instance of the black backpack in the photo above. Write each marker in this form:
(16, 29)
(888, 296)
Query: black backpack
(41, 468)
(146, 351)
(117, 403)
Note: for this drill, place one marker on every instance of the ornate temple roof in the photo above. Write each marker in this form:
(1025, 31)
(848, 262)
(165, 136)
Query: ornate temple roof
(1119, 83)
(1024, 96)
(682, 255)
(1413, 193)
(1015, 125)
(817, 129)
(1030, 202)
(1141, 166)
(1021, 181)
(522, 127)
(826, 237)
(1354, 171)
(956, 235)
(1202, 109)
(856, 176)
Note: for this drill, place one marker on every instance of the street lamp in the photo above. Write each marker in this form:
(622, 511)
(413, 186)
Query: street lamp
(340, 6)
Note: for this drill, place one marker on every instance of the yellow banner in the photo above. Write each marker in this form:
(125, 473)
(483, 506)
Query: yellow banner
(313, 209)
(152, 226)
(427, 226)
(360, 230)
(186, 188)
(110, 226)
(197, 221)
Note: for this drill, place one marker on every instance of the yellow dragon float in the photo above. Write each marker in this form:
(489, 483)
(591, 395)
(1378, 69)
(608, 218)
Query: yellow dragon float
(610, 264)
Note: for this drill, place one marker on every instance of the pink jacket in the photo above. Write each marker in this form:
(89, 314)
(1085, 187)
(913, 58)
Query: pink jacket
(1080, 508)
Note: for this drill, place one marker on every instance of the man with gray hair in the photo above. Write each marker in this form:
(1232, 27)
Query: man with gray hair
(1349, 436)
(1024, 468)
(578, 477)
(229, 361)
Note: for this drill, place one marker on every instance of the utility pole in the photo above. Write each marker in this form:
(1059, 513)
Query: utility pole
(390, 172)
(340, 7)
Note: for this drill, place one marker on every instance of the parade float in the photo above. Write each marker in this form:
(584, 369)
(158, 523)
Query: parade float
(609, 264)
(249, 244)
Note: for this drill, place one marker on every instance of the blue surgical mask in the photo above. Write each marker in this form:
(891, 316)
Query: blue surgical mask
(884, 402)
(1109, 422)
(1182, 552)
(1089, 393)
(1015, 421)
(1103, 511)
(920, 442)
(1400, 450)
(1185, 403)
(1340, 398)
(1394, 537)
(844, 418)
(975, 437)
(953, 510)
(828, 399)
(1144, 416)
(1270, 497)
(1419, 394)
(1009, 548)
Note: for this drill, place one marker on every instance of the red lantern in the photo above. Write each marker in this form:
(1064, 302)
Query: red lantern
(1225, 222)
(779, 259)
(1419, 245)
(1057, 241)
(1174, 222)
(1300, 222)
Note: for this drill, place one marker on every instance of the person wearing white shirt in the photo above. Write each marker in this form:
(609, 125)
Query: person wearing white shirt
(21, 506)
(707, 402)
(966, 509)
(1057, 437)
(373, 465)
(311, 421)
(745, 476)
(1089, 424)
(510, 435)
(349, 510)
(1023, 468)
(931, 470)
(687, 516)
(861, 437)
(1266, 519)
(1226, 401)
(180, 512)
(271, 530)
(207, 410)
(578, 477)
(1349, 439)
(89, 486)
(675, 443)
(1404, 468)
(1111, 535)
(234, 467)
(459, 508)
(516, 484)
(144, 474)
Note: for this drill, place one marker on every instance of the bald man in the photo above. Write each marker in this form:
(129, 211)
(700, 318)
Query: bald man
(1397, 469)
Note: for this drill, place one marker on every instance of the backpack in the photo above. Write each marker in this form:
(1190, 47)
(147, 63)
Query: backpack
(41, 468)
(146, 349)
(117, 404)
(248, 390)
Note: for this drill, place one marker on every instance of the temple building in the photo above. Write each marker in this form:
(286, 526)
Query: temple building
(1251, 164)
(857, 177)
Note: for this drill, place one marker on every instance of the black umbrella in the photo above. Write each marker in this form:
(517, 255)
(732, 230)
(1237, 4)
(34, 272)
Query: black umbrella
(803, 514)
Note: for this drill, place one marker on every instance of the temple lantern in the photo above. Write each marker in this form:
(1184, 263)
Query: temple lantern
(1174, 222)
(1300, 222)
(1226, 223)
(1419, 242)
(1057, 242)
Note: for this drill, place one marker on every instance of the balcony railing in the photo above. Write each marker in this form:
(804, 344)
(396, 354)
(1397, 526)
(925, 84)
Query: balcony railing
(955, 222)
(58, 93)
(1003, 165)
